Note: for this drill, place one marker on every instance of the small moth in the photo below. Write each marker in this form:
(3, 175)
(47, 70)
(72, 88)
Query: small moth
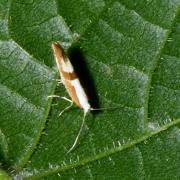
(72, 84)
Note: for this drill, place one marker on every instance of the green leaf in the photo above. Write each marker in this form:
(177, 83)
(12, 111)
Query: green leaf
(3, 175)
(25, 83)
(129, 52)
(3, 147)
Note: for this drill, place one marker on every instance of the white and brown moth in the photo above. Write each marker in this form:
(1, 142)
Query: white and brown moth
(70, 79)
(72, 84)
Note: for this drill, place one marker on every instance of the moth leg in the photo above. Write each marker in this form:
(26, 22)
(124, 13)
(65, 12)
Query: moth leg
(53, 96)
(62, 97)
(57, 80)
(68, 107)
(66, 99)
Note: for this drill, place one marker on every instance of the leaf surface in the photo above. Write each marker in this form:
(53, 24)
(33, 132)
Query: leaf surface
(130, 53)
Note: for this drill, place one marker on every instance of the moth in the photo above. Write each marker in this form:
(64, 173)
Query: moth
(72, 84)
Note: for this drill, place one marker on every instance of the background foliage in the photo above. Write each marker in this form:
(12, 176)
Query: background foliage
(130, 53)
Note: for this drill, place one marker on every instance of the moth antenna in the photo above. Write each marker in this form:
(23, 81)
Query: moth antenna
(79, 133)
(98, 109)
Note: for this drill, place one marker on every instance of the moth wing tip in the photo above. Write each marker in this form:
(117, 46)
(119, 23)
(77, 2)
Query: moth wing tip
(55, 45)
